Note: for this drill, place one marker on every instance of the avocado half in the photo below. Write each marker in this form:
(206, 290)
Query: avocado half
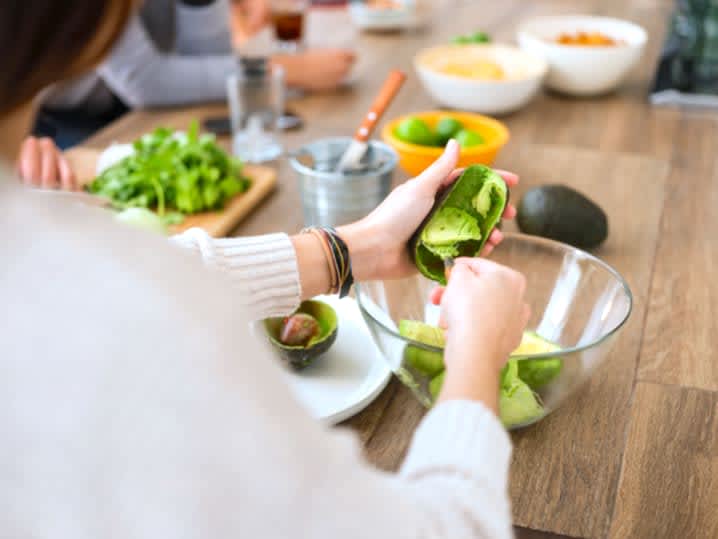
(301, 356)
(460, 222)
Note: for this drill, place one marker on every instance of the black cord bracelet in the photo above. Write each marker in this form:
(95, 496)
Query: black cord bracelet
(342, 261)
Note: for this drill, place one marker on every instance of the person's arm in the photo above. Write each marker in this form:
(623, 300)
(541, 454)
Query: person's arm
(264, 268)
(203, 27)
(143, 76)
(277, 272)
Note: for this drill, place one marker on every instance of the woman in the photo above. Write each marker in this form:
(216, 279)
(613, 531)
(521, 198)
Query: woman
(173, 52)
(151, 411)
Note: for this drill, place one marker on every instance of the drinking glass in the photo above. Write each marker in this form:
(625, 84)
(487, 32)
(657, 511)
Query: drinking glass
(256, 101)
(288, 22)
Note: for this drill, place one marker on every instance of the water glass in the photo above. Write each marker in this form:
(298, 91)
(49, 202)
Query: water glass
(256, 101)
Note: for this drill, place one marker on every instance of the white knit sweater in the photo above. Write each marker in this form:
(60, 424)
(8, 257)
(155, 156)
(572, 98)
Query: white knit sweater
(134, 401)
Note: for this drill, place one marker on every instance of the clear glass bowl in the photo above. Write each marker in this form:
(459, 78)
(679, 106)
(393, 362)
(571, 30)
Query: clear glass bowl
(577, 301)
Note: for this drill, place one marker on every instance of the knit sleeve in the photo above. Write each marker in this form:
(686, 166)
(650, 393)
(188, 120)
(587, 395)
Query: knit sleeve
(264, 268)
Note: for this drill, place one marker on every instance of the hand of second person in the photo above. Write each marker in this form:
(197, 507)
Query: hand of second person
(42, 164)
(249, 17)
(318, 69)
(378, 242)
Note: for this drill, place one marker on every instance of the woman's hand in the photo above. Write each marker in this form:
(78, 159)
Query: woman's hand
(484, 314)
(42, 164)
(377, 243)
(249, 17)
(316, 70)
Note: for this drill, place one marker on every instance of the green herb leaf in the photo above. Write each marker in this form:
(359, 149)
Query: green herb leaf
(172, 172)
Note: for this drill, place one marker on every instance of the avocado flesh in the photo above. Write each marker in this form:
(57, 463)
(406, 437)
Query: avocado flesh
(299, 357)
(461, 221)
(539, 372)
(446, 229)
(518, 404)
(435, 385)
(427, 362)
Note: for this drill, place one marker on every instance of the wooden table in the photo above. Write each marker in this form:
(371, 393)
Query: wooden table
(635, 453)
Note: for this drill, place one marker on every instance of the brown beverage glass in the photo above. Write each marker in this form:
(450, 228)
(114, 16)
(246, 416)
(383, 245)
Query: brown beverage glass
(288, 22)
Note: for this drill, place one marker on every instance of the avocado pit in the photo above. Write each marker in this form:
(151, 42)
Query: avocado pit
(305, 335)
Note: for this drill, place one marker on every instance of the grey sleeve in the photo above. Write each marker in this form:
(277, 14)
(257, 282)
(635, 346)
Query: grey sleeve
(142, 76)
(202, 27)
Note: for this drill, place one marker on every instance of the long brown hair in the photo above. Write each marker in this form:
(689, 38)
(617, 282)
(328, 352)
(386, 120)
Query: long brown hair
(44, 41)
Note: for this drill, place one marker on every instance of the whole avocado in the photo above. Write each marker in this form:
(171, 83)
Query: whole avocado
(561, 213)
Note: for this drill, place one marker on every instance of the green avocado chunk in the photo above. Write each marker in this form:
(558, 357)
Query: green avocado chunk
(460, 222)
(539, 372)
(435, 384)
(427, 362)
(518, 404)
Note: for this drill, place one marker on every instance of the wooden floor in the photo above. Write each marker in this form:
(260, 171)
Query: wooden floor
(635, 454)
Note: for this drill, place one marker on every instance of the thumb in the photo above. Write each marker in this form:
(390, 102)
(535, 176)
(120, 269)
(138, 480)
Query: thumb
(433, 177)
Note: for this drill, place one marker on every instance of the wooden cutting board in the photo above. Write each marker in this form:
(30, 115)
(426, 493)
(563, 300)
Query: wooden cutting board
(215, 223)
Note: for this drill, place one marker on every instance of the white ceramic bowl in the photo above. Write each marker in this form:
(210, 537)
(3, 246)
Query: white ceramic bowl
(523, 75)
(579, 69)
(412, 14)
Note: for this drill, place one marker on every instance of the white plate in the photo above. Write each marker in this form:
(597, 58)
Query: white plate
(349, 376)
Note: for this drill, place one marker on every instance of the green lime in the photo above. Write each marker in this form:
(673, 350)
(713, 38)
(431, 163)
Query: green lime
(468, 138)
(480, 37)
(415, 131)
(447, 128)
(476, 37)
(461, 40)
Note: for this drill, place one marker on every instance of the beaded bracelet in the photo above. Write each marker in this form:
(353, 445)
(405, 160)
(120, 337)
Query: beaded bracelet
(337, 254)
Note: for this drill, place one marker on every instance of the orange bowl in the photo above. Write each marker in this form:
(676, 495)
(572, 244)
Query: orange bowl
(414, 158)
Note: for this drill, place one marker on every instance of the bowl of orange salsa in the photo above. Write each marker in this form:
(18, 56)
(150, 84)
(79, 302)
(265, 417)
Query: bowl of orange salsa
(586, 55)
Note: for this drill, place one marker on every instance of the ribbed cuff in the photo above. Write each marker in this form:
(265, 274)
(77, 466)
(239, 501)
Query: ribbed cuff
(264, 268)
(462, 437)
(202, 30)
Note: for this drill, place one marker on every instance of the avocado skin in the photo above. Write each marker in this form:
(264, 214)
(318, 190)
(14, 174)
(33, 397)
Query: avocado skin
(561, 213)
(415, 248)
(299, 357)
